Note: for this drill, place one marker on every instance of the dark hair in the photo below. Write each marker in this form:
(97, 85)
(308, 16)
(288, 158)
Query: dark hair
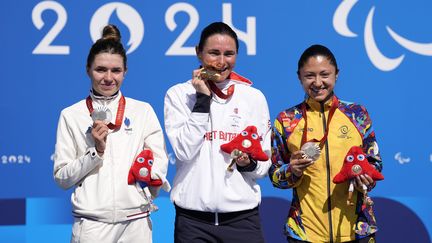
(110, 42)
(216, 28)
(316, 50)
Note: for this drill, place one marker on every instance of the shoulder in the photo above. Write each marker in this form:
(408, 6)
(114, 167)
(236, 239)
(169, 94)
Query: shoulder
(250, 91)
(288, 119)
(357, 114)
(136, 103)
(351, 108)
(292, 113)
(78, 107)
(138, 106)
(181, 87)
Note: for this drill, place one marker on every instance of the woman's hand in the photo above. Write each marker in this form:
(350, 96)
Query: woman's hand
(298, 164)
(199, 84)
(361, 180)
(100, 133)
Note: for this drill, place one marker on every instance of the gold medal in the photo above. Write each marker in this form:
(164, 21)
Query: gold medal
(209, 75)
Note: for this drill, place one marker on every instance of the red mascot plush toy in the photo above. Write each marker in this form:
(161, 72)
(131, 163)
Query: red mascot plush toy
(141, 170)
(356, 164)
(247, 142)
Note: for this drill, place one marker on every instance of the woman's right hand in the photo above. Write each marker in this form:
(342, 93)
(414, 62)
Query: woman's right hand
(100, 133)
(199, 84)
(298, 164)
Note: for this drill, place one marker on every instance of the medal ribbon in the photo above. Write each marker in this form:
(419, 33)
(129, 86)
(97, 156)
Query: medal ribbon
(219, 92)
(120, 112)
(333, 107)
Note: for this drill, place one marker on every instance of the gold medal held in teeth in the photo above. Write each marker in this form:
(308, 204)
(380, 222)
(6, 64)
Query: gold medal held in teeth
(209, 75)
(311, 151)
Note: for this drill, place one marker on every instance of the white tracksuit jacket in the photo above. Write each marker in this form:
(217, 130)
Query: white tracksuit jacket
(101, 190)
(202, 181)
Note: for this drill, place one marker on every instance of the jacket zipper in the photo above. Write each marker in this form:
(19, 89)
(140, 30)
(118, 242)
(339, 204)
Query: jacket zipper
(216, 222)
(328, 175)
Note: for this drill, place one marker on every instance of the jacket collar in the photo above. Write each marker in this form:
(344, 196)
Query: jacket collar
(105, 100)
(315, 105)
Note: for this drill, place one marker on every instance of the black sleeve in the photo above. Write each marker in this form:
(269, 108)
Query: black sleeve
(248, 168)
(202, 104)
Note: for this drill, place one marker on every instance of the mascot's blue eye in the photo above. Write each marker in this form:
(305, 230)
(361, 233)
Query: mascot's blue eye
(350, 158)
(361, 157)
(140, 160)
(244, 133)
(254, 136)
(150, 162)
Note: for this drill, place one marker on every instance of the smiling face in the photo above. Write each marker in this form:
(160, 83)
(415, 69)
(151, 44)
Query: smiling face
(318, 77)
(219, 54)
(107, 73)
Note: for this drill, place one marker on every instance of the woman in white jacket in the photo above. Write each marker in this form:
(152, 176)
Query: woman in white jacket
(212, 203)
(94, 155)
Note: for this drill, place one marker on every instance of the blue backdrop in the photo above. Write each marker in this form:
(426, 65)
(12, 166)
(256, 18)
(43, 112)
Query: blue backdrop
(383, 48)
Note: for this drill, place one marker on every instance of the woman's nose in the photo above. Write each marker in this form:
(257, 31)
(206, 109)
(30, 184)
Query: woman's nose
(220, 63)
(108, 76)
(318, 81)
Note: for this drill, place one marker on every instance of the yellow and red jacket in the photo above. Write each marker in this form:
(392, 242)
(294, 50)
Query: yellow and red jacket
(319, 212)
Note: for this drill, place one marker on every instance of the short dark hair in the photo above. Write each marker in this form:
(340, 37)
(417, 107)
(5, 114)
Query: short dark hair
(317, 50)
(216, 28)
(110, 42)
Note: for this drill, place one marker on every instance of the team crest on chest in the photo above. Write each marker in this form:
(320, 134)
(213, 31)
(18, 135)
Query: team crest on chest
(344, 132)
(235, 118)
(127, 123)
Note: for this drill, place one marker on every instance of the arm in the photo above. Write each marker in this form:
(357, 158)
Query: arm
(280, 172)
(370, 147)
(69, 168)
(259, 169)
(185, 127)
(154, 140)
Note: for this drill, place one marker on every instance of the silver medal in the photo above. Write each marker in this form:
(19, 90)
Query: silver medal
(311, 151)
(101, 113)
(356, 169)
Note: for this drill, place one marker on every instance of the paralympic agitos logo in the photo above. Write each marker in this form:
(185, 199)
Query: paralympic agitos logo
(376, 56)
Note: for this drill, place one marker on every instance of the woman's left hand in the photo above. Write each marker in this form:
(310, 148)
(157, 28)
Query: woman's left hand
(361, 180)
(243, 160)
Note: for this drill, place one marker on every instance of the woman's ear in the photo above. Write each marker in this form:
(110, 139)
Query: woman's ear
(198, 53)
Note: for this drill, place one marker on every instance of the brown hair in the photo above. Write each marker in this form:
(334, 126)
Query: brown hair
(317, 50)
(216, 28)
(110, 42)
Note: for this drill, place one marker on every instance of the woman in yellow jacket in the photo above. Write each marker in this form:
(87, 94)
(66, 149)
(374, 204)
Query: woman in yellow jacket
(319, 211)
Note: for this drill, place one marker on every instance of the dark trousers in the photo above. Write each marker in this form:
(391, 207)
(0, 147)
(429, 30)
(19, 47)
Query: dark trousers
(193, 227)
(368, 239)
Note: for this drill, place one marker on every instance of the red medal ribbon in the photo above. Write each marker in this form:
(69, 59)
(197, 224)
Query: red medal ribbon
(219, 92)
(333, 107)
(120, 112)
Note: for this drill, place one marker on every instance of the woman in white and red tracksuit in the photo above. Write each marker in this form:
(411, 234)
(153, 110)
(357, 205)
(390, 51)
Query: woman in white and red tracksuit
(94, 157)
(213, 204)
